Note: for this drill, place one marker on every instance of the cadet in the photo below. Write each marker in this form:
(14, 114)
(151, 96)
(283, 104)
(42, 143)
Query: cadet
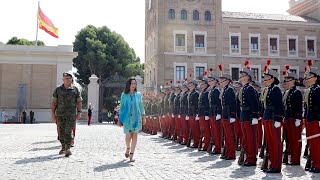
(249, 114)
(273, 115)
(184, 111)
(65, 110)
(228, 102)
(177, 113)
(292, 103)
(215, 112)
(204, 113)
(171, 115)
(312, 99)
(193, 112)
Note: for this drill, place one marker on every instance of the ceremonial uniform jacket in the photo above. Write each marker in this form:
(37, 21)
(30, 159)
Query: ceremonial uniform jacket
(176, 108)
(148, 109)
(312, 99)
(249, 104)
(171, 103)
(292, 103)
(228, 103)
(272, 102)
(154, 109)
(237, 104)
(161, 106)
(193, 103)
(184, 103)
(204, 103)
(214, 102)
(166, 104)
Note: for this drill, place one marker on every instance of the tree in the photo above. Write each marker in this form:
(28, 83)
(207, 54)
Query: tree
(104, 53)
(14, 40)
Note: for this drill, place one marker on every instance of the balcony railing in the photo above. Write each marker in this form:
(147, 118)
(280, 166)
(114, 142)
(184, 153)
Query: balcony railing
(200, 50)
(235, 51)
(254, 51)
(293, 53)
(180, 49)
(311, 54)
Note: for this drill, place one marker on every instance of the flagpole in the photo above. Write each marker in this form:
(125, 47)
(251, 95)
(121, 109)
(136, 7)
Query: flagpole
(37, 24)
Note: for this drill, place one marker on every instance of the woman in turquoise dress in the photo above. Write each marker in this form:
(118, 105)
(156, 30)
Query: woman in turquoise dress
(132, 115)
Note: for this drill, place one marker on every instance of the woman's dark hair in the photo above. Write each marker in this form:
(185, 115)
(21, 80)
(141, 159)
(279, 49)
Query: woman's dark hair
(128, 84)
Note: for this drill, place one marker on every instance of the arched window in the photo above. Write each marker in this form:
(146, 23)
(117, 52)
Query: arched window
(207, 16)
(184, 14)
(196, 15)
(172, 14)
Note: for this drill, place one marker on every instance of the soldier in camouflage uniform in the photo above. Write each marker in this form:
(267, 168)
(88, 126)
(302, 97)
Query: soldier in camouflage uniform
(65, 110)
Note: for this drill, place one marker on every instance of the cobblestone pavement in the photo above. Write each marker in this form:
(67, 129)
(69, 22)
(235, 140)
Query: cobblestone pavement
(31, 152)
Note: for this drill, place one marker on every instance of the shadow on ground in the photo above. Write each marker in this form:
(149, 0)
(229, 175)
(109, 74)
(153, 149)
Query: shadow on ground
(46, 142)
(39, 159)
(120, 164)
(46, 148)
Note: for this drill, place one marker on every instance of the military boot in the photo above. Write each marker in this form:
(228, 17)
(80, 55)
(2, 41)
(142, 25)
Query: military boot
(62, 151)
(68, 151)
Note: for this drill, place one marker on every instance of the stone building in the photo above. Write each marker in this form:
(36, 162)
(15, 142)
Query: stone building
(190, 36)
(28, 76)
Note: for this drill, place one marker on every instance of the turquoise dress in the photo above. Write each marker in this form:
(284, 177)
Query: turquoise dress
(131, 112)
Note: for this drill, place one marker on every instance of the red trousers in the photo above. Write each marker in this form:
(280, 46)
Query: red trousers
(238, 131)
(172, 125)
(294, 135)
(259, 133)
(178, 127)
(314, 143)
(195, 130)
(185, 129)
(163, 125)
(274, 143)
(230, 138)
(89, 120)
(216, 131)
(249, 144)
(167, 125)
(205, 130)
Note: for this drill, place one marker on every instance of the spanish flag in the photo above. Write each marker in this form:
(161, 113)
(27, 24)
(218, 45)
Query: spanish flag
(46, 25)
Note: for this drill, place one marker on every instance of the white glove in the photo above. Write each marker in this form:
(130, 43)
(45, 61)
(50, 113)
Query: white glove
(206, 118)
(163, 116)
(179, 116)
(254, 121)
(232, 120)
(277, 124)
(172, 116)
(147, 116)
(197, 117)
(297, 122)
(260, 118)
(187, 117)
(154, 118)
(218, 117)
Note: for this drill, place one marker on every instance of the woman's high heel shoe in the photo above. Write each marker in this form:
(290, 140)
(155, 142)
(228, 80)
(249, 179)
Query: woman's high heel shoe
(126, 154)
(131, 158)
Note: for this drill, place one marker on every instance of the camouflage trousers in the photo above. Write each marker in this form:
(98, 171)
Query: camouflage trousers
(65, 127)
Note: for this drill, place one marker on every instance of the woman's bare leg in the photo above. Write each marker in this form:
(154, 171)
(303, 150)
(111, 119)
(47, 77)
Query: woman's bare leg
(133, 145)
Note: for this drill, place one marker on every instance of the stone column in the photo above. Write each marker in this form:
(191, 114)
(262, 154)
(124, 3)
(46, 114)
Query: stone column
(93, 96)
(139, 84)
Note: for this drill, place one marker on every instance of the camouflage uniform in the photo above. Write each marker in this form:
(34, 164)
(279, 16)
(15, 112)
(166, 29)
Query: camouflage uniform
(66, 99)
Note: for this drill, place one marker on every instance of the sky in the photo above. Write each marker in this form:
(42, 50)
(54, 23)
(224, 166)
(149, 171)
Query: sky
(126, 17)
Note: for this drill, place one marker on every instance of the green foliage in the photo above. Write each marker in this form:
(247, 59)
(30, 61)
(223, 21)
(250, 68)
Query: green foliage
(104, 53)
(16, 41)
